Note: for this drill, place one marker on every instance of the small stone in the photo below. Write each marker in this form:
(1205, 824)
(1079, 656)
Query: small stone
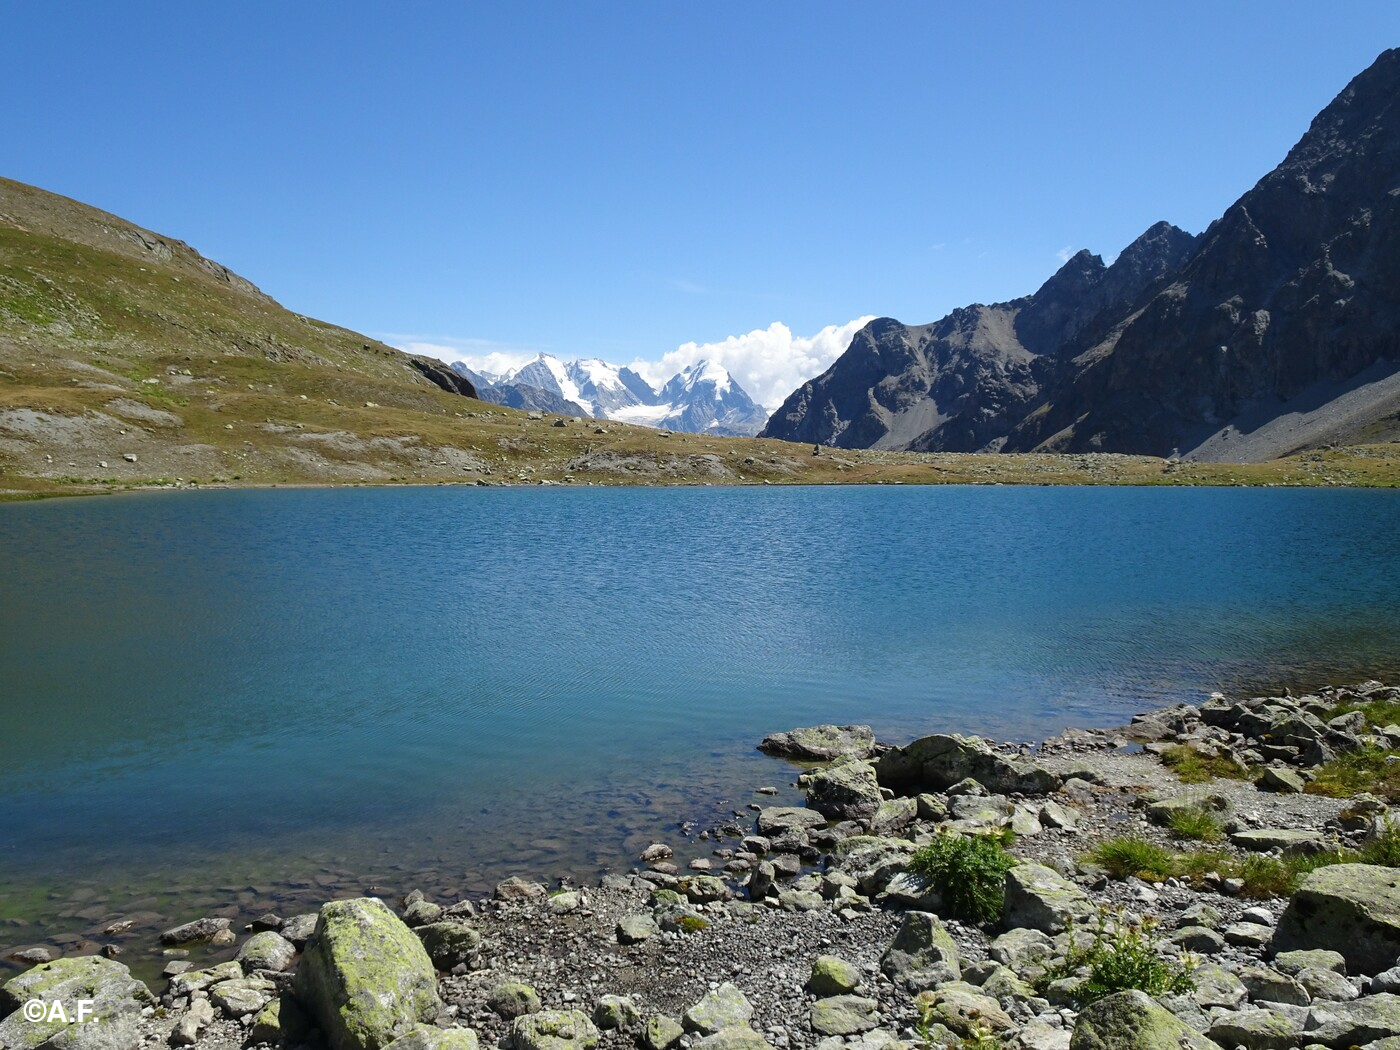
(512, 999)
(1248, 934)
(725, 1007)
(662, 1033)
(616, 1012)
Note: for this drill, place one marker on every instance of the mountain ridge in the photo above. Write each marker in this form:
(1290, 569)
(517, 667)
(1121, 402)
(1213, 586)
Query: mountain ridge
(1182, 343)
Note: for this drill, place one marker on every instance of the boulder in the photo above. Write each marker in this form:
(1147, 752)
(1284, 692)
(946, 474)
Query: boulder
(844, 1015)
(1266, 985)
(922, 955)
(512, 999)
(281, 1020)
(1290, 841)
(299, 928)
(634, 929)
(1281, 779)
(965, 1009)
(198, 1017)
(1132, 1020)
(448, 944)
(364, 977)
(832, 976)
(1364, 1020)
(242, 996)
(554, 1030)
(117, 1001)
(1040, 898)
(515, 889)
(430, 1037)
(821, 743)
(1293, 963)
(845, 790)
(192, 932)
(736, 1038)
(935, 763)
(776, 819)
(1352, 909)
(266, 951)
(725, 1007)
(182, 984)
(662, 1033)
(616, 1013)
(1021, 949)
(1217, 987)
(1257, 1029)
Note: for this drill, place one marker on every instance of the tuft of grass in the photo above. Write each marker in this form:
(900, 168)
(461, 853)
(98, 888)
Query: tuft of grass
(968, 871)
(1379, 713)
(1196, 823)
(1193, 767)
(1130, 855)
(693, 924)
(1370, 768)
(1384, 849)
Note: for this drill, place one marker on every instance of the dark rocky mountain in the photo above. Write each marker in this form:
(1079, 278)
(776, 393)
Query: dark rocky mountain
(1275, 330)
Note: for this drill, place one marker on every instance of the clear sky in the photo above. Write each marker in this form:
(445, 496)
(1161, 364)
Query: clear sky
(616, 179)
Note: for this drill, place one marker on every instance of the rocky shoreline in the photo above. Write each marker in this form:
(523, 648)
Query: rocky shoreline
(1181, 881)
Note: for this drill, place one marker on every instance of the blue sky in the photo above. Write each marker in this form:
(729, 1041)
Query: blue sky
(619, 179)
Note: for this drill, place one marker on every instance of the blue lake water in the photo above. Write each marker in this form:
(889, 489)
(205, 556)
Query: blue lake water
(276, 694)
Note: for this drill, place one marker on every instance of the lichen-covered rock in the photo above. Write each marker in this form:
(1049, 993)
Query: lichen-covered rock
(1021, 948)
(1257, 1029)
(193, 932)
(266, 951)
(512, 999)
(965, 1009)
(701, 889)
(1217, 986)
(935, 763)
(430, 1037)
(365, 977)
(844, 1015)
(1040, 898)
(725, 1007)
(1292, 842)
(448, 944)
(662, 1033)
(616, 1012)
(1352, 909)
(873, 861)
(1361, 1021)
(922, 954)
(242, 996)
(821, 743)
(554, 1030)
(736, 1038)
(183, 984)
(845, 790)
(117, 1001)
(832, 976)
(1133, 1021)
(1267, 985)
(280, 1021)
(1295, 962)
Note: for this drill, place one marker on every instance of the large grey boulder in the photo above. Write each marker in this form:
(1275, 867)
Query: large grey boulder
(776, 819)
(430, 1037)
(821, 743)
(922, 955)
(1040, 898)
(845, 790)
(1132, 1020)
(873, 861)
(844, 1015)
(935, 763)
(1364, 1020)
(1352, 909)
(448, 944)
(1257, 1029)
(365, 977)
(117, 1001)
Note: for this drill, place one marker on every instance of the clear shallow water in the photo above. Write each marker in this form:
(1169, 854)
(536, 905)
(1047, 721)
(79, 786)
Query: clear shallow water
(284, 693)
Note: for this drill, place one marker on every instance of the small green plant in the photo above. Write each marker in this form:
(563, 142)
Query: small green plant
(692, 924)
(1384, 849)
(1130, 855)
(1194, 767)
(1370, 768)
(968, 871)
(1122, 955)
(1197, 823)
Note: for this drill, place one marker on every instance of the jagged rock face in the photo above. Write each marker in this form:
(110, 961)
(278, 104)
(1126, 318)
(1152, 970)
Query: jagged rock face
(1286, 303)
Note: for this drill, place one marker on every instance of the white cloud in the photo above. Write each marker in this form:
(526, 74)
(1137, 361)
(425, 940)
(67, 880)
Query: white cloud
(769, 363)
(1065, 253)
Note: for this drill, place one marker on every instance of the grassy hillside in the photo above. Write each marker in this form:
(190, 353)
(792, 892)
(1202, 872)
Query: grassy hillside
(129, 360)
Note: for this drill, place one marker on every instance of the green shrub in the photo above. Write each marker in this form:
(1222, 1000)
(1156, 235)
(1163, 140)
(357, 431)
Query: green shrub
(969, 873)
(1122, 955)
(1131, 855)
(1196, 823)
(693, 923)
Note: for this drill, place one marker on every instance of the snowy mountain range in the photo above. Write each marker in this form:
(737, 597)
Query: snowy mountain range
(702, 398)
